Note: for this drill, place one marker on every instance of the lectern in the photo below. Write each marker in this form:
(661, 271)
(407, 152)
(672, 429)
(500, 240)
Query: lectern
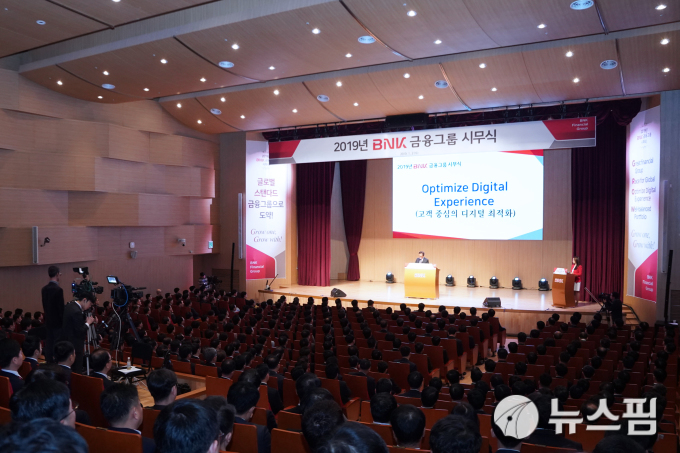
(563, 290)
(421, 280)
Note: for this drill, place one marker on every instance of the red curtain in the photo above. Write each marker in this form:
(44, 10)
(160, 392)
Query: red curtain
(314, 188)
(598, 180)
(353, 182)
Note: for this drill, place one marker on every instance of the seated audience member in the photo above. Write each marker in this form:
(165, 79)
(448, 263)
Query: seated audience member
(273, 396)
(32, 350)
(173, 434)
(162, 385)
(364, 368)
(616, 443)
(184, 355)
(11, 358)
(545, 380)
(227, 368)
(65, 355)
(225, 417)
(43, 398)
(429, 397)
(210, 356)
(506, 444)
(545, 435)
(305, 383)
(382, 406)
(100, 365)
(244, 397)
(355, 438)
(314, 396)
(415, 382)
(408, 425)
(476, 399)
(502, 354)
(457, 392)
(489, 366)
(501, 392)
(122, 409)
(332, 372)
(319, 422)
(455, 434)
(31, 436)
(405, 352)
(273, 362)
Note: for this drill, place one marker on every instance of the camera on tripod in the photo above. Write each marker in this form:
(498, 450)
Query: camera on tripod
(124, 293)
(85, 285)
(605, 297)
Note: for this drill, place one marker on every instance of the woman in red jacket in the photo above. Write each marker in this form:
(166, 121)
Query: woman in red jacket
(577, 271)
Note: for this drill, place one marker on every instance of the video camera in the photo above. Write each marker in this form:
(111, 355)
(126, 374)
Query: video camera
(124, 293)
(85, 286)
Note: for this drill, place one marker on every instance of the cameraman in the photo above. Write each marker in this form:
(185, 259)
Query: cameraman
(615, 307)
(77, 319)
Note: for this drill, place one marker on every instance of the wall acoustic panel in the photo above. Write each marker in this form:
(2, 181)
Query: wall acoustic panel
(27, 207)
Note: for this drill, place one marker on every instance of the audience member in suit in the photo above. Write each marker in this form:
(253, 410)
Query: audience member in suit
(225, 417)
(405, 354)
(53, 308)
(415, 382)
(333, 372)
(304, 384)
(476, 398)
(273, 361)
(121, 408)
(545, 434)
(227, 368)
(76, 324)
(65, 355)
(11, 358)
(173, 434)
(254, 377)
(162, 384)
(244, 397)
(273, 396)
(210, 356)
(32, 350)
(43, 398)
(408, 426)
(364, 368)
(321, 421)
(506, 444)
(184, 354)
(100, 365)
(382, 406)
(455, 433)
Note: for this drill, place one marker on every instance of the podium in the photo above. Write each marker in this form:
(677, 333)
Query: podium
(563, 290)
(421, 281)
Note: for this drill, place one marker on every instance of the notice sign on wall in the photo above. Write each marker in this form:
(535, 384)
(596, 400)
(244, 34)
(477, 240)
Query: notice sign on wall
(265, 206)
(642, 184)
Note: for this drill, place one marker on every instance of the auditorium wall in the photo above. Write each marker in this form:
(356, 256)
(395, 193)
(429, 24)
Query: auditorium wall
(93, 178)
(379, 253)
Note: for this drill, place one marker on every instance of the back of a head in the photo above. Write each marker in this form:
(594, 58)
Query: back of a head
(186, 426)
(99, 359)
(429, 396)
(415, 380)
(456, 391)
(160, 383)
(314, 396)
(354, 437)
(116, 402)
(382, 406)
(243, 396)
(618, 443)
(320, 421)
(476, 398)
(408, 424)
(40, 435)
(43, 398)
(455, 434)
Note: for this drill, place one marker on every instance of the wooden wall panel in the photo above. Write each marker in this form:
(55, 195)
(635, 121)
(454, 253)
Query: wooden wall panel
(60, 136)
(15, 244)
(68, 244)
(199, 211)
(25, 208)
(163, 210)
(198, 153)
(149, 241)
(103, 209)
(59, 172)
(178, 181)
(128, 144)
(122, 176)
(9, 87)
(15, 132)
(165, 149)
(207, 183)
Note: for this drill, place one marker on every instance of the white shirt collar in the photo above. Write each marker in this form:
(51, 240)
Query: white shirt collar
(12, 372)
(66, 366)
(81, 307)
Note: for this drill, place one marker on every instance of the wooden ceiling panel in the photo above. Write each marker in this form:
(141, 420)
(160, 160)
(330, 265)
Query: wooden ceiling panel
(512, 22)
(506, 73)
(73, 86)
(553, 73)
(358, 89)
(263, 109)
(286, 42)
(134, 68)
(625, 14)
(643, 59)
(121, 12)
(191, 111)
(403, 93)
(448, 21)
(20, 31)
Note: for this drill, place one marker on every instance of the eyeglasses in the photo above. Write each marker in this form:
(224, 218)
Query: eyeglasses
(75, 407)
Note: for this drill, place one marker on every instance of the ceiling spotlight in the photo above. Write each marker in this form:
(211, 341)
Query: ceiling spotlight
(146, 89)
(276, 92)
(493, 283)
(569, 54)
(108, 86)
(482, 65)
(407, 75)
(179, 106)
(356, 104)
(471, 281)
(105, 72)
(42, 22)
(316, 31)
(349, 55)
(338, 83)
(439, 41)
(163, 60)
(225, 64)
(543, 285)
(666, 69)
(223, 99)
(576, 80)
(494, 89)
(541, 25)
(271, 68)
(420, 97)
(449, 280)
(368, 39)
(411, 13)
(294, 110)
(59, 82)
(243, 117)
(516, 283)
(235, 46)
(389, 277)
(664, 41)
(100, 97)
(199, 122)
(660, 7)
(116, 1)
(202, 79)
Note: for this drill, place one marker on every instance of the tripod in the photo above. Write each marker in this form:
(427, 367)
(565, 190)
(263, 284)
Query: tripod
(91, 343)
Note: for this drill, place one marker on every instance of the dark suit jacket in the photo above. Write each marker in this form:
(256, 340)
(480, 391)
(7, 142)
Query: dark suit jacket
(295, 410)
(33, 362)
(157, 407)
(411, 394)
(148, 445)
(67, 373)
(345, 392)
(279, 378)
(275, 402)
(424, 260)
(53, 305)
(74, 328)
(412, 365)
(548, 438)
(264, 438)
(370, 382)
(16, 382)
(107, 382)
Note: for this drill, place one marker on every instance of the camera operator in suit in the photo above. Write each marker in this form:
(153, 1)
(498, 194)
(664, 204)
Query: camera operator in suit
(53, 306)
(77, 320)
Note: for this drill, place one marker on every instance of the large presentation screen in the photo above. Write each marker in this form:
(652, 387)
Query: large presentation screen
(495, 195)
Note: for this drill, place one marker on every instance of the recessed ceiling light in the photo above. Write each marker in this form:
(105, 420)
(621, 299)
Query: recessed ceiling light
(235, 46)
(666, 69)
(569, 54)
(576, 80)
(316, 31)
(660, 7)
(163, 60)
(338, 83)
(349, 55)
(276, 92)
(581, 4)
(40, 22)
(439, 41)
(200, 122)
(294, 110)
(482, 65)
(494, 89)
(411, 13)
(356, 104)
(243, 117)
(105, 72)
(59, 82)
(116, 1)
(146, 89)
(271, 68)
(108, 86)
(216, 111)
(407, 75)
(202, 79)
(223, 99)
(541, 25)
(609, 64)
(664, 41)
(368, 39)
(100, 97)
(179, 106)
(225, 64)
(441, 84)
(323, 98)
(421, 97)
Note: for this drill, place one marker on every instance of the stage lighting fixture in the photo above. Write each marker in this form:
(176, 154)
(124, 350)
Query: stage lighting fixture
(389, 278)
(493, 283)
(516, 283)
(471, 281)
(543, 285)
(449, 280)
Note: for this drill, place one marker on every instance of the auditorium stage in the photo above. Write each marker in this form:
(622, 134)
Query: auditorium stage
(519, 311)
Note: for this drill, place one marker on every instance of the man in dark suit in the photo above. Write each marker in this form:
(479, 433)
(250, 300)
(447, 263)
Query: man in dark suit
(364, 368)
(303, 385)
(11, 359)
(100, 365)
(415, 382)
(53, 306)
(545, 433)
(273, 361)
(421, 258)
(162, 384)
(65, 355)
(76, 324)
(244, 397)
(183, 356)
(32, 350)
(333, 372)
(122, 409)
(273, 396)
(405, 354)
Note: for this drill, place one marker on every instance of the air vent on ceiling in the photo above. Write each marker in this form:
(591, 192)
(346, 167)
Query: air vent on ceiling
(441, 84)
(226, 64)
(216, 111)
(368, 39)
(108, 86)
(323, 98)
(581, 4)
(609, 64)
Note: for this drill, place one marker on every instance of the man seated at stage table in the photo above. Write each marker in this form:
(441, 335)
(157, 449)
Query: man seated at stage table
(421, 258)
